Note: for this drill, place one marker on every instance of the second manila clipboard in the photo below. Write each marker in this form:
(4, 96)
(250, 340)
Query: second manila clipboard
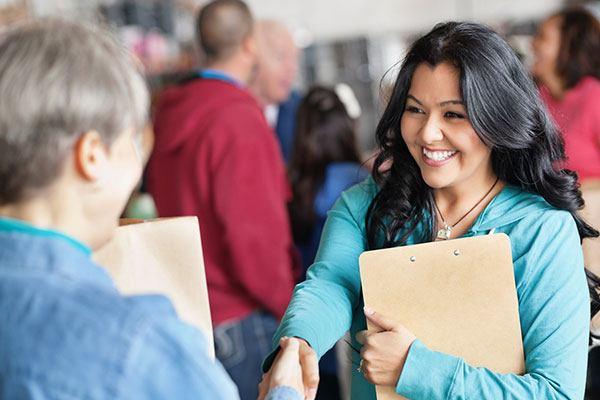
(457, 296)
(162, 256)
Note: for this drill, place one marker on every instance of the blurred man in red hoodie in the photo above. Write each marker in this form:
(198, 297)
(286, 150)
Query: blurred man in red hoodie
(215, 157)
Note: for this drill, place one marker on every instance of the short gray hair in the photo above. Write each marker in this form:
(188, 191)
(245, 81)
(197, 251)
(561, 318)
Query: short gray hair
(59, 80)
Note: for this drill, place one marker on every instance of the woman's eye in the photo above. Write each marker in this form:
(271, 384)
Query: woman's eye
(413, 109)
(451, 114)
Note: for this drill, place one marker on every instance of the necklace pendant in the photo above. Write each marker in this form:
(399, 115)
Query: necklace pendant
(445, 232)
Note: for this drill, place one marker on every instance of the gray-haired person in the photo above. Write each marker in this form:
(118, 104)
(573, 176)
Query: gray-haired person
(72, 105)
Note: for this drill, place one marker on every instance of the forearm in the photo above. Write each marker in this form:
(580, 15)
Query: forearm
(321, 309)
(449, 377)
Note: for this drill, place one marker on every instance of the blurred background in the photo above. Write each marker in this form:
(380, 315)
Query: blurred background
(355, 42)
(349, 41)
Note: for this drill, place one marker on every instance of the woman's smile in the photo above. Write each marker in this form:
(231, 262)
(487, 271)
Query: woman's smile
(438, 157)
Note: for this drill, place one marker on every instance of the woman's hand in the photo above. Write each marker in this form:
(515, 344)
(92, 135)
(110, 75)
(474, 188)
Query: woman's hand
(295, 366)
(287, 371)
(384, 350)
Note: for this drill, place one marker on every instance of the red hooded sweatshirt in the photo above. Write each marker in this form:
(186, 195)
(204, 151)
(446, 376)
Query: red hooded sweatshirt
(216, 158)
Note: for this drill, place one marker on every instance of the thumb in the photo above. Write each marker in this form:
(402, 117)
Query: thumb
(290, 351)
(287, 371)
(379, 320)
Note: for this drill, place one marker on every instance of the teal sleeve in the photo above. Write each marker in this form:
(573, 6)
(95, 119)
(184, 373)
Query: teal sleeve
(554, 311)
(321, 308)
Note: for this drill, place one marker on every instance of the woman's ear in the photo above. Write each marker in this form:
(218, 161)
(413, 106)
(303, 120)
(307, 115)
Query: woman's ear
(90, 155)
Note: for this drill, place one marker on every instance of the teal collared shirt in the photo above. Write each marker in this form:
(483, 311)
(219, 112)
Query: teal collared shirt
(15, 225)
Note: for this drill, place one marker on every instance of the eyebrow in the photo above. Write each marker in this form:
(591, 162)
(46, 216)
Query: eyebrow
(443, 103)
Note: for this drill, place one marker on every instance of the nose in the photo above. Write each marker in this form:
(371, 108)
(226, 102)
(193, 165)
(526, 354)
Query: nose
(431, 131)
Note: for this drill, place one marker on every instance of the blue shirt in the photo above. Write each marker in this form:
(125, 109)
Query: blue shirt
(339, 176)
(219, 75)
(285, 129)
(66, 332)
(554, 306)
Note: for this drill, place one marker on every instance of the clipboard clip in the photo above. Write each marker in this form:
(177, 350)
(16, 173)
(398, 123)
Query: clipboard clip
(456, 252)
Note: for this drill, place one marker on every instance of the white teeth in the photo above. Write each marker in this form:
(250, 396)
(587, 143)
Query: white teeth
(438, 155)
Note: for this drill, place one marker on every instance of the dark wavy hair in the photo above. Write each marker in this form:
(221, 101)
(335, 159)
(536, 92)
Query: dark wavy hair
(325, 134)
(504, 108)
(579, 53)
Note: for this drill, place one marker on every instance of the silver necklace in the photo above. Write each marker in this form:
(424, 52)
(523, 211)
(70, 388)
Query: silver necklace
(446, 231)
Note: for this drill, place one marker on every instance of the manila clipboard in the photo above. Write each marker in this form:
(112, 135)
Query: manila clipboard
(162, 256)
(457, 296)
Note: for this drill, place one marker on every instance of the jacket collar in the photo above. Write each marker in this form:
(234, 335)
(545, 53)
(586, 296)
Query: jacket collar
(29, 249)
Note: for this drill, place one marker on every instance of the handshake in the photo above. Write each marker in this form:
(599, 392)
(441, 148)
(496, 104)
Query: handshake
(295, 366)
(383, 354)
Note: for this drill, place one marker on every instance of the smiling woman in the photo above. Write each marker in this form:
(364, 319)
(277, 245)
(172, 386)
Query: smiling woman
(471, 150)
(438, 133)
(444, 144)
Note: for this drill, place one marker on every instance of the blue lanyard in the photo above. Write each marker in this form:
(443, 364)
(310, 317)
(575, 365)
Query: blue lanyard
(219, 76)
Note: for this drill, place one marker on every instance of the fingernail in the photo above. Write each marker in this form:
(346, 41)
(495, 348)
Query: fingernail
(369, 311)
(312, 393)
